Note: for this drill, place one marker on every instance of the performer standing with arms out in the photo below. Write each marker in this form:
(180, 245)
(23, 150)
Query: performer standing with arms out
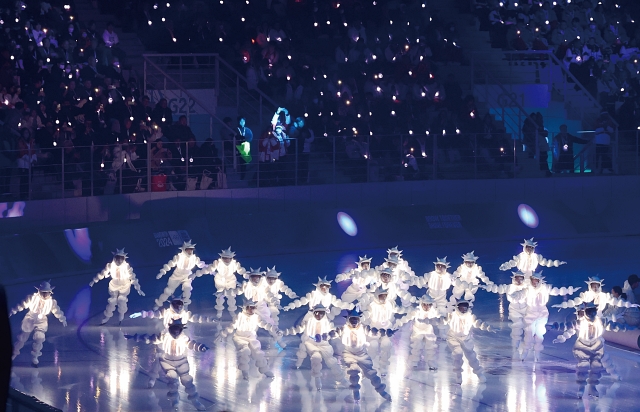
(528, 260)
(183, 262)
(122, 277)
(40, 305)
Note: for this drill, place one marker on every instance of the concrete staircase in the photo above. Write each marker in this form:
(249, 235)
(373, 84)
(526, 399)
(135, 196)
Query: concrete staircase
(129, 42)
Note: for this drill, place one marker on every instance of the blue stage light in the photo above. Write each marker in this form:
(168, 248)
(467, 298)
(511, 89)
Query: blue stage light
(347, 224)
(528, 216)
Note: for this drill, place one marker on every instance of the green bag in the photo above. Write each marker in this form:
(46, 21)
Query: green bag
(244, 149)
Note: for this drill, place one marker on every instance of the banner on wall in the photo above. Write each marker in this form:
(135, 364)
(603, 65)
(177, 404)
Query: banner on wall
(181, 104)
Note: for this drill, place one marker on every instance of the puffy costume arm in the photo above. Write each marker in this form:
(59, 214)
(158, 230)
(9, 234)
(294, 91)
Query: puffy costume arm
(477, 323)
(563, 291)
(483, 276)
(273, 330)
(339, 303)
(420, 281)
(519, 295)
(565, 336)
(167, 266)
(621, 303)
(549, 263)
(21, 306)
(154, 339)
(345, 276)
(296, 330)
(288, 291)
(405, 319)
(206, 270)
(571, 303)
(493, 288)
(134, 282)
(195, 318)
(197, 347)
(510, 264)
(104, 273)
(149, 314)
(200, 263)
(58, 313)
(402, 310)
(616, 327)
(227, 331)
(297, 303)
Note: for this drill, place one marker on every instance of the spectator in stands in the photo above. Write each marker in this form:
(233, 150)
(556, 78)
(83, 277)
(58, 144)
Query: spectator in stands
(162, 114)
(632, 288)
(563, 150)
(603, 131)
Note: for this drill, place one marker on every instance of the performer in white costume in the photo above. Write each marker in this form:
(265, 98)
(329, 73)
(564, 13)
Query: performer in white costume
(389, 280)
(321, 294)
(244, 330)
(175, 311)
(224, 272)
(40, 305)
(379, 315)
(589, 347)
(122, 277)
(183, 262)
(402, 264)
(517, 309)
(536, 295)
(468, 276)
(173, 361)
(423, 338)
(354, 336)
(595, 294)
(460, 339)
(528, 260)
(275, 287)
(360, 277)
(255, 290)
(314, 343)
(438, 282)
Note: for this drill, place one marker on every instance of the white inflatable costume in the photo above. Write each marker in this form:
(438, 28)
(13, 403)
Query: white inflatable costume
(360, 277)
(528, 260)
(40, 305)
(599, 298)
(224, 272)
(244, 330)
(314, 343)
(322, 296)
(255, 290)
(173, 361)
(275, 287)
(175, 311)
(122, 278)
(517, 308)
(467, 278)
(438, 282)
(423, 338)
(183, 262)
(536, 295)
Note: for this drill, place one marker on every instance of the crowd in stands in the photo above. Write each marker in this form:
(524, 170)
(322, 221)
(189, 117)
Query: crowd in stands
(597, 41)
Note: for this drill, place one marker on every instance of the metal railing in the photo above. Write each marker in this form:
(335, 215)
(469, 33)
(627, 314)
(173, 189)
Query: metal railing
(69, 171)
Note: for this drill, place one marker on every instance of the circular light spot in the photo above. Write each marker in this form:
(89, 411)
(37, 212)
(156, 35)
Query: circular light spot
(528, 216)
(347, 224)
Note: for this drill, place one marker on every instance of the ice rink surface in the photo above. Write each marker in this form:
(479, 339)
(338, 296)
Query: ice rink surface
(88, 367)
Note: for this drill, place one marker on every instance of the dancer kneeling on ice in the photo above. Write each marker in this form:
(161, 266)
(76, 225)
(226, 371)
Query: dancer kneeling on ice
(244, 330)
(467, 278)
(122, 277)
(224, 272)
(589, 347)
(438, 282)
(536, 295)
(354, 337)
(424, 316)
(175, 311)
(517, 309)
(314, 343)
(275, 287)
(595, 294)
(528, 260)
(379, 315)
(360, 277)
(183, 262)
(388, 280)
(460, 339)
(173, 361)
(40, 305)
(321, 295)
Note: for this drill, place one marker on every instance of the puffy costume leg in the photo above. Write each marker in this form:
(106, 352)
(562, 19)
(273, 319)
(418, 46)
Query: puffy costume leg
(172, 380)
(244, 355)
(111, 304)
(467, 347)
(582, 368)
(231, 301)
(456, 356)
(361, 360)
(38, 340)
(172, 285)
(385, 355)
(302, 354)
(258, 356)
(353, 372)
(220, 297)
(264, 313)
(186, 292)
(28, 324)
(123, 298)
(374, 346)
(539, 329)
(326, 351)
(417, 345)
(430, 348)
(189, 387)
(316, 368)
(517, 327)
